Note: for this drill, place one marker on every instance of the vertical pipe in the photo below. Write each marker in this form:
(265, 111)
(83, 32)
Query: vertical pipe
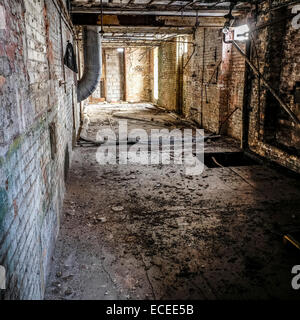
(92, 63)
(125, 75)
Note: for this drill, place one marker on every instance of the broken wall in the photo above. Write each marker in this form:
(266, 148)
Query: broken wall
(39, 120)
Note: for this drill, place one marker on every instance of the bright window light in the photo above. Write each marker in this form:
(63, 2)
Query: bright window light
(186, 48)
(120, 50)
(156, 73)
(241, 33)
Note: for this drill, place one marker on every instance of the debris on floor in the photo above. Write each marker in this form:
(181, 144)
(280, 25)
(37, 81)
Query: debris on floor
(151, 232)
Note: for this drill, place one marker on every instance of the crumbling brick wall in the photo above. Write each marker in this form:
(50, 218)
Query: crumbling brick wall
(37, 130)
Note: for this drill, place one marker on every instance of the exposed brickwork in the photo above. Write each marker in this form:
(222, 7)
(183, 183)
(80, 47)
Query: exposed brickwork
(31, 180)
(272, 133)
(233, 125)
(202, 96)
(167, 62)
(114, 62)
(131, 82)
(39, 117)
(213, 85)
(211, 97)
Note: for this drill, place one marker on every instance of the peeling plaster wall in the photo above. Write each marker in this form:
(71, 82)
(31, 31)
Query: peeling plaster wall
(33, 158)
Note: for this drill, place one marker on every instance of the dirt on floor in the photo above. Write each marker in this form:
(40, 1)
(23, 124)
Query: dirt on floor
(153, 232)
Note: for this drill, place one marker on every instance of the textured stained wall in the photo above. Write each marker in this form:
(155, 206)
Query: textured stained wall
(275, 51)
(211, 49)
(168, 77)
(203, 105)
(213, 93)
(138, 75)
(31, 172)
(214, 83)
(114, 62)
(126, 76)
(272, 133)
(209, 71)
(236, 82)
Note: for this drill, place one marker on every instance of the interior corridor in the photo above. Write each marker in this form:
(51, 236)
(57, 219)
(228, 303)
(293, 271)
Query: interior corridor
(80, 221)
(152, 232)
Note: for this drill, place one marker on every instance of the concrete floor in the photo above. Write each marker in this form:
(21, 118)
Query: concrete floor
(151, 232)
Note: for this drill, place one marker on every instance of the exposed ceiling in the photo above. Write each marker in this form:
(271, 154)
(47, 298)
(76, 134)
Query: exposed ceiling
(130, 38)
(151, 35)
(159, 7)
(150, 22)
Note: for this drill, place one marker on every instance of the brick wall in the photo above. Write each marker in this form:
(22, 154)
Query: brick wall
(167, 64)
(236, 85)
(201, 89)
(114, 62)
(272, 133)
(215, 100)
(138, 75)
(126, 76)
(31, 171)
(211, 97)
